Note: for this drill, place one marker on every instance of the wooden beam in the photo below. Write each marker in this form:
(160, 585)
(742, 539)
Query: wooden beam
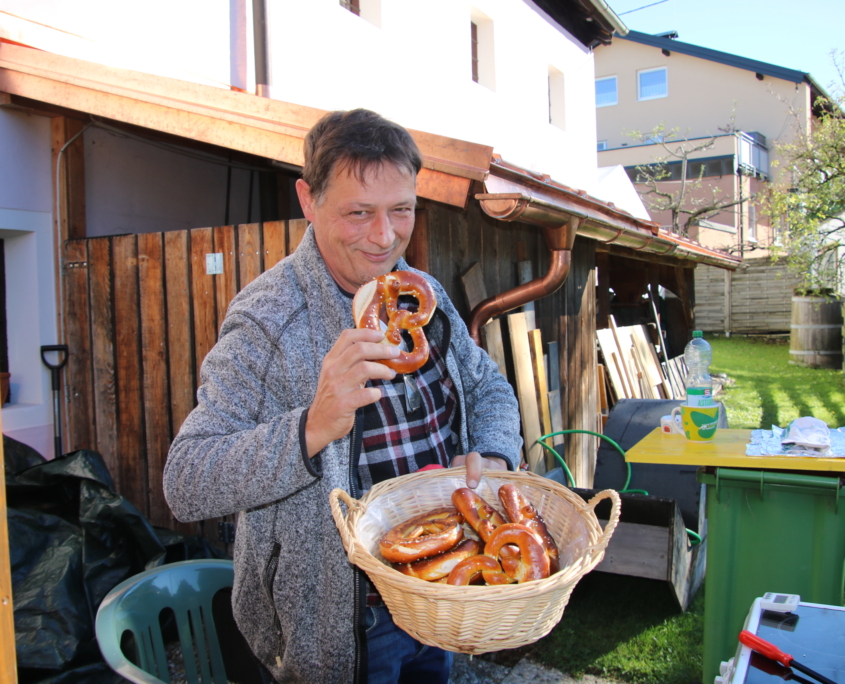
(8, 663)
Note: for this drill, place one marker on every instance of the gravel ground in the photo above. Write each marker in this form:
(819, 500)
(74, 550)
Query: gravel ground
(475, 670)
(465, 670)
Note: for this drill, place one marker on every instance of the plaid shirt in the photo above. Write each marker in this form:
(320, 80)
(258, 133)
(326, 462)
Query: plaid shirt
(398, 440)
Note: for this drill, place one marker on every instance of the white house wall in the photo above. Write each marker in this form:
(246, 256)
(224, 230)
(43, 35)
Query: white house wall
(411, 62)
(26, 227)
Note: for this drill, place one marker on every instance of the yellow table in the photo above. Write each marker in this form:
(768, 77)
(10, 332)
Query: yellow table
(726, 450)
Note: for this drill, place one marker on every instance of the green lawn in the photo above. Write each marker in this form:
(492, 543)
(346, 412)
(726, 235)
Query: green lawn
(769, 390)
(631, 629)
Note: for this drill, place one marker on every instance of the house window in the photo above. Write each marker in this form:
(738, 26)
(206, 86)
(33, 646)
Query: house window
(752, 222)
(601, 145)
(606, 91)
(652, 84)
(557, 109)
(353, 6)
(482, 53)
(474, 39)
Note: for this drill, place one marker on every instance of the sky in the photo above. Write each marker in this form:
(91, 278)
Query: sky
(796, 35)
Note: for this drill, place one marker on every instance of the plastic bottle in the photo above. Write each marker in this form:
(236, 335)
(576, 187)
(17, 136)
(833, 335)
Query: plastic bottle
(698, 356)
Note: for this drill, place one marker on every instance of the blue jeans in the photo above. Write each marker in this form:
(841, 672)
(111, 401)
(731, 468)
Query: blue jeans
(395, 657)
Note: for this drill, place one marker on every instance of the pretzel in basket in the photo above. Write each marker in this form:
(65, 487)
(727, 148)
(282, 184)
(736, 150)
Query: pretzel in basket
(438, 567)
(533, 563)
(520, 510)
(423, 536)
(467, 570)
(384, 292)
(478, 514)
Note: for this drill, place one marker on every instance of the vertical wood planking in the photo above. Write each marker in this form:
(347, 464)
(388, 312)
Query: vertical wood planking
(417, 251)
(155, 368)
(202, 295)
(180, 345)
(102, 353)
(249, 253)
(80, 433)
(274, 233)
(226, 283)
(131, 442)
(296, 231)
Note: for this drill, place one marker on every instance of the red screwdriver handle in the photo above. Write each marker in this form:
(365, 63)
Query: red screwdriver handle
(762, 646)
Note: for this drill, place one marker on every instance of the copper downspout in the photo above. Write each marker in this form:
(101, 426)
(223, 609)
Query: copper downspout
(559, 236)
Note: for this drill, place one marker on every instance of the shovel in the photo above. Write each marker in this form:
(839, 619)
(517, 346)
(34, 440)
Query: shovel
(61, 350)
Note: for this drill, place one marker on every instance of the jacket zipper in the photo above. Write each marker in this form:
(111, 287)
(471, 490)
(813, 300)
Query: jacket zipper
(269, 580)
(354, 454)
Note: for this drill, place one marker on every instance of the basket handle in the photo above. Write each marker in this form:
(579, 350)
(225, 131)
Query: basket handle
(615, 512)
(342, 521)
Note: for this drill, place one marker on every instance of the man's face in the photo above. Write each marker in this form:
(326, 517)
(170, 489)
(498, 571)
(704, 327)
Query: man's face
(362, 228)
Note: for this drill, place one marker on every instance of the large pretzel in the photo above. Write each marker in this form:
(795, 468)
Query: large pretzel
(520, 510)
(479, 514)
(534, 562)
(439, 566)
(467, 570)
(384, 291)
(422, 536)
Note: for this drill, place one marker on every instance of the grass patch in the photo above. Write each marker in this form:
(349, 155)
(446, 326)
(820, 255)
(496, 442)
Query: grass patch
(630, 629)
(768, 390)
(626, 628)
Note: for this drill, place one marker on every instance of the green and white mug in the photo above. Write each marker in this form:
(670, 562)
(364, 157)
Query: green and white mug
(698, 422)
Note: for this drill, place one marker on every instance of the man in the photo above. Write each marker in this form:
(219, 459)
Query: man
(294, 403)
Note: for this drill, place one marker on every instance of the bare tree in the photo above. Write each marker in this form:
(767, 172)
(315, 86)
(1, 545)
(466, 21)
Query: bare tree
(689, 200)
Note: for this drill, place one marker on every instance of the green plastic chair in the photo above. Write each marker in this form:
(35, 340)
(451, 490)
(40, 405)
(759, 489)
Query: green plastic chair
(135, 606)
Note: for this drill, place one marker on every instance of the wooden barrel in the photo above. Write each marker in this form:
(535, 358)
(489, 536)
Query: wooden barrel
(816, 334)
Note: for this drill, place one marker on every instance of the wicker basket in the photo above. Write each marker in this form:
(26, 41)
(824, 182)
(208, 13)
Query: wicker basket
(474, 619)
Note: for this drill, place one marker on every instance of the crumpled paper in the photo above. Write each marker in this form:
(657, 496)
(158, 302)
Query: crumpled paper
(768, 443)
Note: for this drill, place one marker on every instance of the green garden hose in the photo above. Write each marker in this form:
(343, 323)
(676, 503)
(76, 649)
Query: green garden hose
(694, 536)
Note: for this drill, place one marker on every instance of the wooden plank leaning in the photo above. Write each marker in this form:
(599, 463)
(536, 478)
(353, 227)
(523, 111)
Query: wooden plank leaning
(526, 392)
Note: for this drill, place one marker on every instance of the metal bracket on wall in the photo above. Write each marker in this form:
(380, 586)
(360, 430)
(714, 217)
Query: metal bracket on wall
(214, 263)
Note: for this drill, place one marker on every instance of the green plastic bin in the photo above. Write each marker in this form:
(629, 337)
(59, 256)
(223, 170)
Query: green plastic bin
(767, 531)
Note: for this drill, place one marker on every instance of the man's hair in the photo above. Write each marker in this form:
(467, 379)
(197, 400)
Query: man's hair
(357, 140)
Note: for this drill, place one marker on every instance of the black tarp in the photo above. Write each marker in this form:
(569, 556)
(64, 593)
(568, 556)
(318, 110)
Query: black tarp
(71, 540)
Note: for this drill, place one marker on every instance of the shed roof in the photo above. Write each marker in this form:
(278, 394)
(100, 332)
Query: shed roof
(274, 130)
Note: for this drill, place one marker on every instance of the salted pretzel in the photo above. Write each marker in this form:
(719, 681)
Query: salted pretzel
(384, 292)
(478, 514)
(520, 510)
(438, 567)
(423, 536)
(534, 562)
(467, 570)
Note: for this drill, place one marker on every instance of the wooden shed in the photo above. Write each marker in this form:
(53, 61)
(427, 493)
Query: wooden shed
(139, 311)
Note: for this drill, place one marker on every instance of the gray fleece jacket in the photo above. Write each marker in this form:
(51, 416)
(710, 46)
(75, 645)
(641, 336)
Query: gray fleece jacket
(296, 597)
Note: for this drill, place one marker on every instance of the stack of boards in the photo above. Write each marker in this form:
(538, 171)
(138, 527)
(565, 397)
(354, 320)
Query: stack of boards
(632, 368)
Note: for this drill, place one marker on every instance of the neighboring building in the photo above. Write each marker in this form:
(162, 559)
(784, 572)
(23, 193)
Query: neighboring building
(645, 80)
